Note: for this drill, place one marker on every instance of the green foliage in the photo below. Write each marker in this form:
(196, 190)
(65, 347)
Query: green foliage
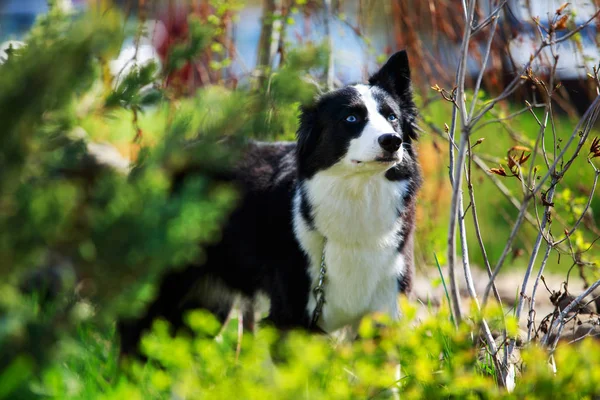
(421, 359)
(46, 67)
(200, 37)
(127, 94)
(276, 106)
(83, 244)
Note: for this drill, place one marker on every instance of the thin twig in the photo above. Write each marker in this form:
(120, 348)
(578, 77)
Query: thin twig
(493, 16)
(480, 163)
(547, 204)
(507, 247)
(509, 90)
(589, 117)
(559, 321)
(585, 209)
(534, 253)
(454, 289)
(457, 169)
(507, 118)
(486, 260)
(483, 66)
(576, 30)
(530, 322)
(457, 197)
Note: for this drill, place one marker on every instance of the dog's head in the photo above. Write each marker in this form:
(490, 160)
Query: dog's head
(360, 128)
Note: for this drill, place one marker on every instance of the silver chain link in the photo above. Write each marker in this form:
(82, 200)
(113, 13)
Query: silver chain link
(319, 290)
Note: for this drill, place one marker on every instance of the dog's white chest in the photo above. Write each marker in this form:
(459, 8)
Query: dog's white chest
(360, 220)
(358, 281)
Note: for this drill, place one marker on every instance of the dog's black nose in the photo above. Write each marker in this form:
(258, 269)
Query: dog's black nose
(390, 142)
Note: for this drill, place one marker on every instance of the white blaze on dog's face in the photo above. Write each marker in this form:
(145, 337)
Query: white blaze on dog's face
(361, 128)
(379, 143)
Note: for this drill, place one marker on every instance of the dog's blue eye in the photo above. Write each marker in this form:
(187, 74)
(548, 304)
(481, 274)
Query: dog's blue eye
(392, 118)
(351, 118)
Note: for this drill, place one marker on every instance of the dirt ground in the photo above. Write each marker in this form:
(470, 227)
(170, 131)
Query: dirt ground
(428, 291)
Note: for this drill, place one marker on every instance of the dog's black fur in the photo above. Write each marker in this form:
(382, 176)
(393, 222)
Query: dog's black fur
(259, 251)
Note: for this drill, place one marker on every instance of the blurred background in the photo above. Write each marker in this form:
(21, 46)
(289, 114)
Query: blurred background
(105, 105)
(362, 33)
(255, 36)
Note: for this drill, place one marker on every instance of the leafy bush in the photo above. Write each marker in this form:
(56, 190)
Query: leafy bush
(421, 359)
(84, 241)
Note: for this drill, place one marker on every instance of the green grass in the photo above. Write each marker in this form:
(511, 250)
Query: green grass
(439, 268)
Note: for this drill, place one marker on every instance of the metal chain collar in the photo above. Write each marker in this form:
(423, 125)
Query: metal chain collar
(319, 290)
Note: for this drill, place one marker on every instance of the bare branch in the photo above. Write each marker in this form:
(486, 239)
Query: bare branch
(583, 213)
(456, 167)
(503, 189)
(483, 66)
(507, 118)
(559, 322)
(490, 18)
(589, 118)
(486, 260)
(456, 171)
(574, 31)
(507, 247)
(454, 290)
(534, 253)
(530, 321)
(509, 90)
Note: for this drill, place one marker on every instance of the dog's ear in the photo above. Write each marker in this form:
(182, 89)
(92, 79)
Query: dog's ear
(305, 136)
(394, 76)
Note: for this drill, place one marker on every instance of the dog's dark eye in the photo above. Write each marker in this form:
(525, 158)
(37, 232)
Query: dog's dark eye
(392, 118)
(351, 118)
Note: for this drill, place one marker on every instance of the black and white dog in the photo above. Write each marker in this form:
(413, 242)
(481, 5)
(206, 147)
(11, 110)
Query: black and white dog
(342, 197)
